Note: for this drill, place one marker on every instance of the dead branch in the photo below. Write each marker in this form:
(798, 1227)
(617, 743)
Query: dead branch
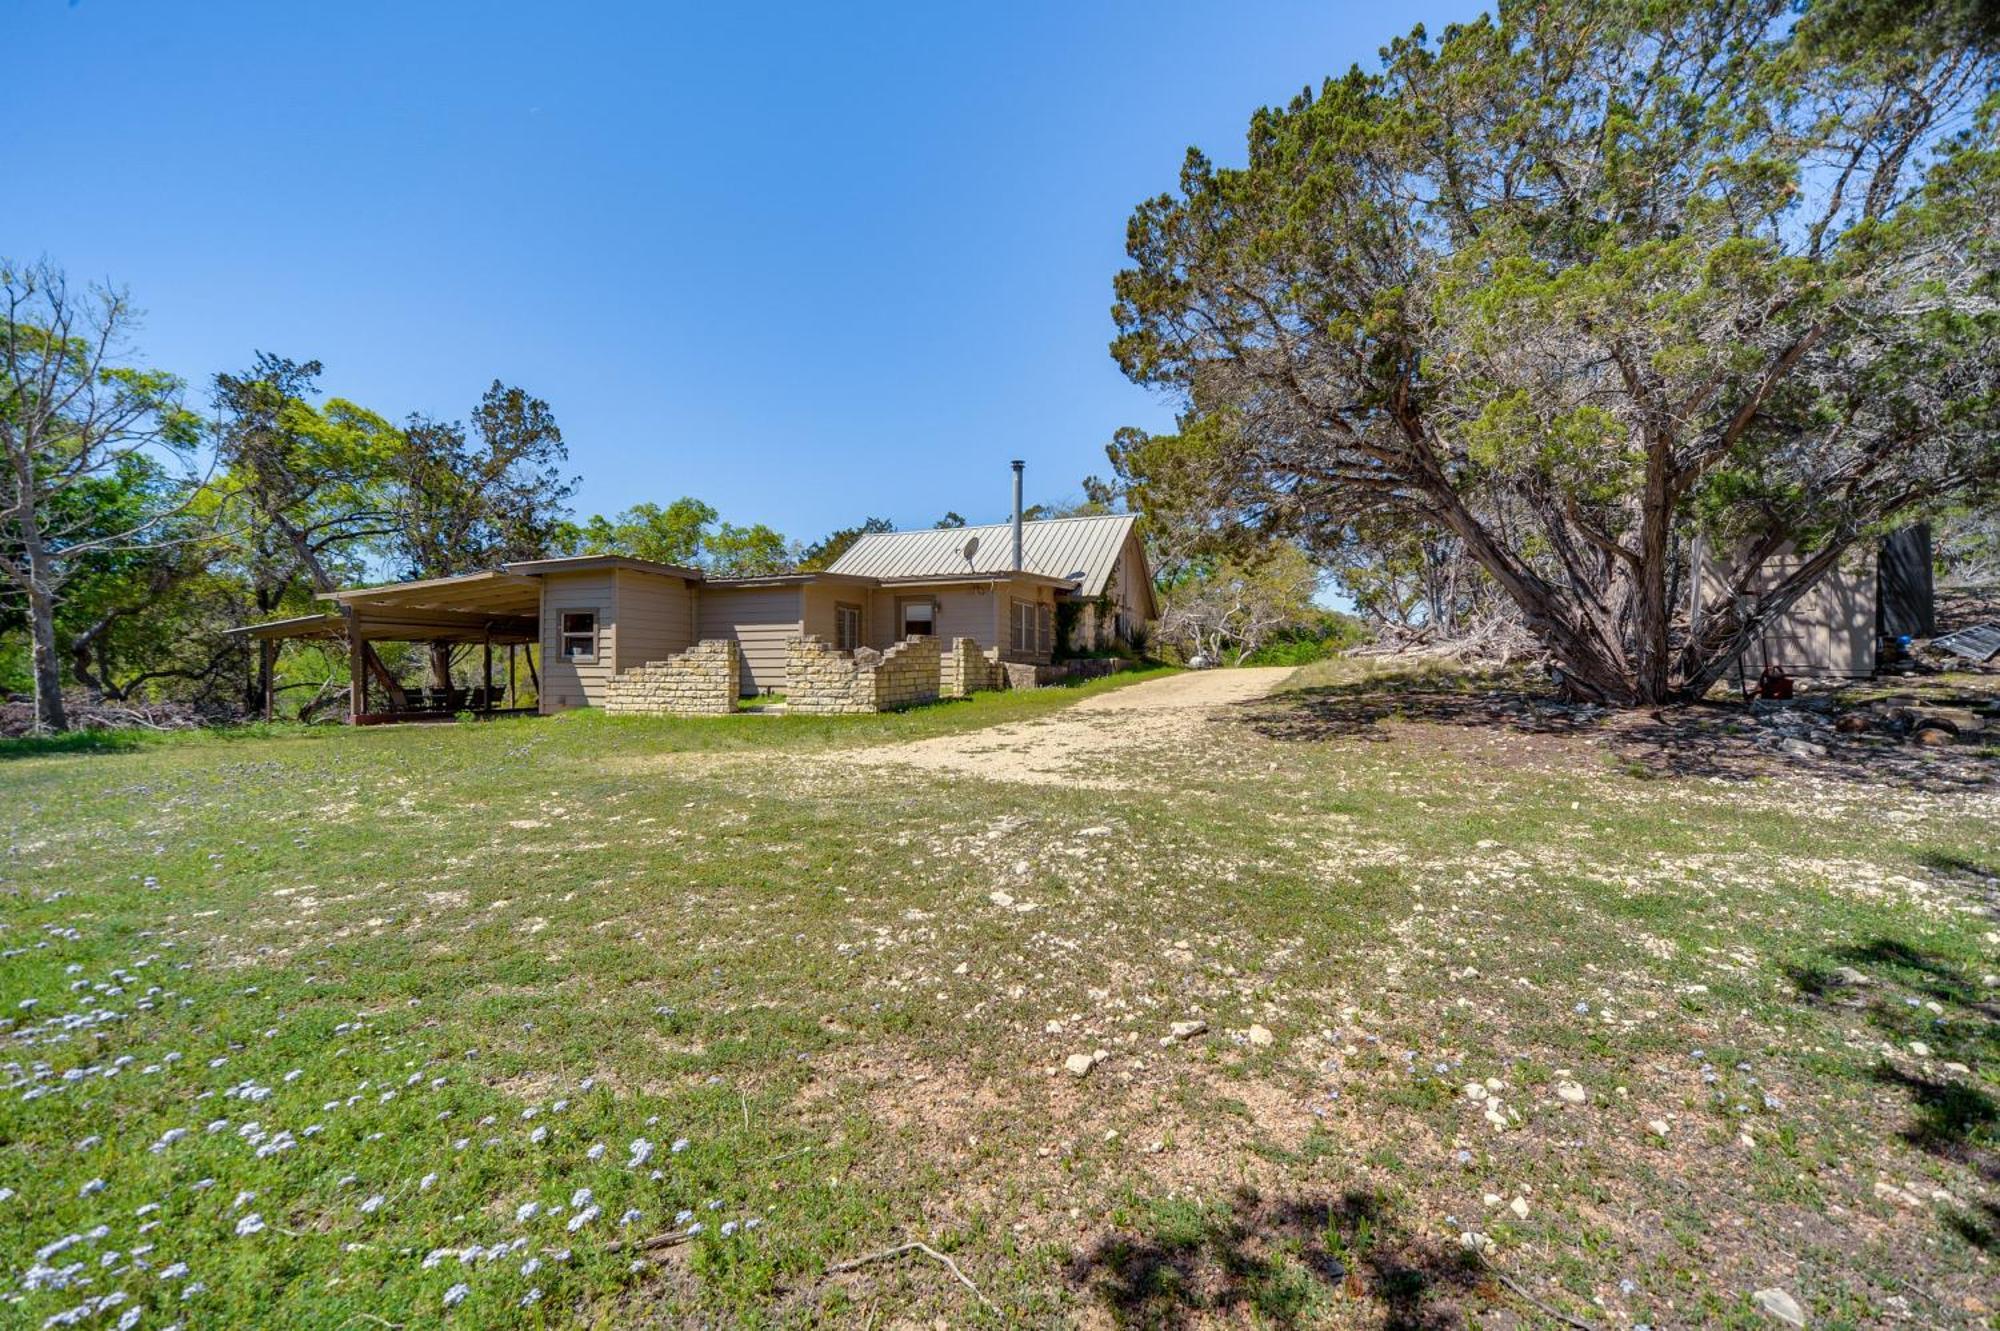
(928, 1251)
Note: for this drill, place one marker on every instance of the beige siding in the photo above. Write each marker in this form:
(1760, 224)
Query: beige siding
(762, 620)
(820, 600)
(1129, 588)
(973, 611)
(570, 683)
(655, 618)
(967, 612)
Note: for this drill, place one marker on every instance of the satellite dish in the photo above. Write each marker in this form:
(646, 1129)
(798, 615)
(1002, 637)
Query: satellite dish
(971, 548)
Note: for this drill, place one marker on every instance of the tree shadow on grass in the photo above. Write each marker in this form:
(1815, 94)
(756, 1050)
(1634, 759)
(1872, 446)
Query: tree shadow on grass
(1276, 1261)
(1707, 739)
(1952, 1117)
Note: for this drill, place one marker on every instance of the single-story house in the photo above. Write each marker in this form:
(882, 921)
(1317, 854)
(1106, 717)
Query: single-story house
(583, 620)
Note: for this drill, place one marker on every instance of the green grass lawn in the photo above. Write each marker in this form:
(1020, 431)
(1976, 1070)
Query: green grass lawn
(438, 1025)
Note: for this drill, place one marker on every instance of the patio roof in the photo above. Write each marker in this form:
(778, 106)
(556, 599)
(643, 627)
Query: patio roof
(490, 592)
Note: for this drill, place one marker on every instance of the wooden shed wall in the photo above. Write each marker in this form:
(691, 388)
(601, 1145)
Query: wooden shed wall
(1829, 632)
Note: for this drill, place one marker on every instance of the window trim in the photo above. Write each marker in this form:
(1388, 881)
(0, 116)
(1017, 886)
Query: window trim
(903, 604)
(564, 634)
(841, 610)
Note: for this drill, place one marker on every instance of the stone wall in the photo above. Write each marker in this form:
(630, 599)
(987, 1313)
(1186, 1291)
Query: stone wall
(1028, 675)
(822, 680)
(701, 681)
(907, 674)
(964, 670)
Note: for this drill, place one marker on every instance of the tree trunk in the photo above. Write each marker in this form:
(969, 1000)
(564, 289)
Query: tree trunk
(49, 712)
(441, 666)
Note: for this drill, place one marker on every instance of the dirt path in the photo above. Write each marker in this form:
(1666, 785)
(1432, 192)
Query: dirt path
(1071, 747)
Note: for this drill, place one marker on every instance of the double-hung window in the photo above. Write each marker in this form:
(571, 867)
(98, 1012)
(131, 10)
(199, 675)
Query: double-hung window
(579, 636)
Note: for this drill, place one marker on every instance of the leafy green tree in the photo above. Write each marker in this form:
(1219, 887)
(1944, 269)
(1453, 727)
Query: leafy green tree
(822, 553)
(304, 492)
(463, 504)
(73, 420)
(746, 552)
(1575, 283)
(951, 521)
(670, 535)
(690, 532)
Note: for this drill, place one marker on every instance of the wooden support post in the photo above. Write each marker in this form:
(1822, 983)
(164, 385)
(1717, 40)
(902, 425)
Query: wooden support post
(267, 657)
(513, 699)
(533, 678)
(486, 697)
(357, 672)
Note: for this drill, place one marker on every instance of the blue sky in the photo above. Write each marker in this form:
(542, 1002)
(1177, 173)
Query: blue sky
(805, 262)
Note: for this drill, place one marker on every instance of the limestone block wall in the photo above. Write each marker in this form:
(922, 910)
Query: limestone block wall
(964, 670)
(822, 680)
(701, 681)
(908, 674)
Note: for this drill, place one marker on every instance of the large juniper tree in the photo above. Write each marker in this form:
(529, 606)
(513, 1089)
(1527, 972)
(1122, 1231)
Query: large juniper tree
(1580, 281)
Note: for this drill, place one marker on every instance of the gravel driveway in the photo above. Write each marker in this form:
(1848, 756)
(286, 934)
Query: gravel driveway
(1070, 747)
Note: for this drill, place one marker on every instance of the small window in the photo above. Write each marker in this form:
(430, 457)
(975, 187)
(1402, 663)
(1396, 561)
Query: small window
(846, 627)
(579, 635)
(919, 619)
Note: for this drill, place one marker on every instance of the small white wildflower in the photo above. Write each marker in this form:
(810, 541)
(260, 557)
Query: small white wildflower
(242, 1199)
(583, 1217)
(634, 1214)
(526, 1211)
(249, 1224)
(96, 1185)
(596, 1151)
(424, 1183)
(373, 1204)
(680, 1144)
(532, 1265)
(538, 1136)
(581, 1197)
(642, 1151)
(532, 1297)
(456, 1294)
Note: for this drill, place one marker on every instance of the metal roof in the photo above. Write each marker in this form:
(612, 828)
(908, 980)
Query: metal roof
(1082, 550)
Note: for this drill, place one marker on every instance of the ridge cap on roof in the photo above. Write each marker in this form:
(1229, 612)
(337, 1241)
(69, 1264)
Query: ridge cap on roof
(1004, 522)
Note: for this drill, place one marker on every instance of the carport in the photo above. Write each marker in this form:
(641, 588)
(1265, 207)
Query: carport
(490, 609)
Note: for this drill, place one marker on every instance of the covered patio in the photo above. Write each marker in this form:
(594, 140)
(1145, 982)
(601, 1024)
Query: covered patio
(490, 609)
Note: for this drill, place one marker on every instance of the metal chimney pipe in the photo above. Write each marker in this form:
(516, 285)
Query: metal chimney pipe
(1019, 466)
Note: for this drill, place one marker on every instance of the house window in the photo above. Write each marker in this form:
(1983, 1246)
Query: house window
(579, 636)
(1026, 628)
(919, 618)
(846, 627)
